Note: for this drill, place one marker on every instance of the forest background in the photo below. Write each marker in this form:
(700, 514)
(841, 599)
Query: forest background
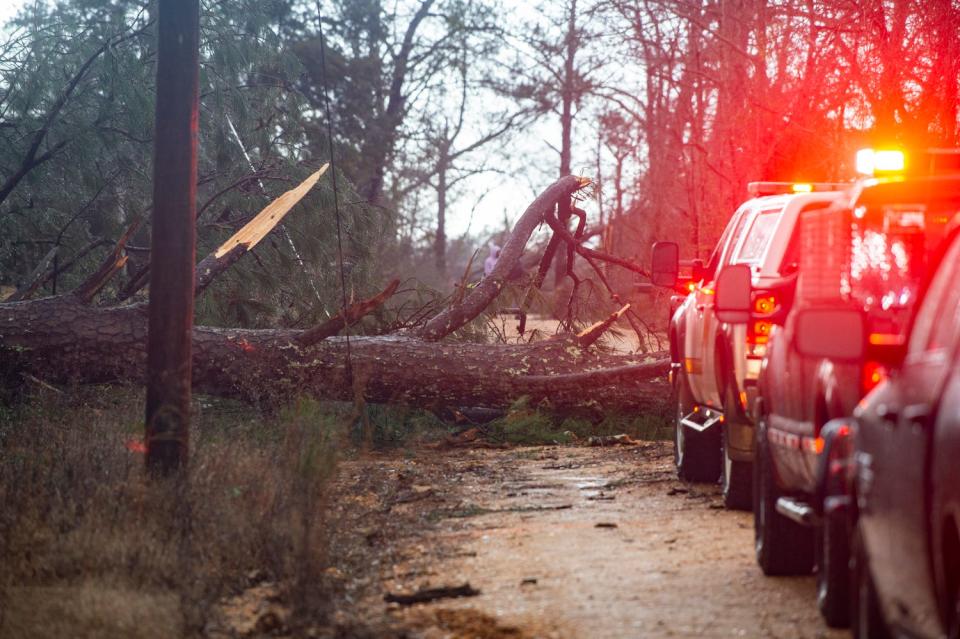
(448, 117)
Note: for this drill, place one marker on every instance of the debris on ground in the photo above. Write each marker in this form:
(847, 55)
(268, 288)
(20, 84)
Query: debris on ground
(613, 440)
(256, 611)
(425, 595)
(469, 438)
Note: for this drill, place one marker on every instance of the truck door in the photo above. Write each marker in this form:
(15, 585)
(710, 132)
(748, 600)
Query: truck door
(896, 453)
(701, 323)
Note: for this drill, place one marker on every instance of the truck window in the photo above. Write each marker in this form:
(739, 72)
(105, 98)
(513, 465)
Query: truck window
(730, 234)
(937, 318)
(889, 251)
(758, 237)
(790, 263)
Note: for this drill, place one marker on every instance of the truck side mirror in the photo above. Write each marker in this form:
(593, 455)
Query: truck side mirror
(665, 264)
(837, 333)
(733, 303)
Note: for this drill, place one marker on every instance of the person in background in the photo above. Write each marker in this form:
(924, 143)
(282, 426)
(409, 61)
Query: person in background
(491, 261)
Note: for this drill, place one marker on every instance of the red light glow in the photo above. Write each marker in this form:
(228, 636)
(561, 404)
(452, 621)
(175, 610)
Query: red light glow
(136, 446)
(873, 374)
(765, 304)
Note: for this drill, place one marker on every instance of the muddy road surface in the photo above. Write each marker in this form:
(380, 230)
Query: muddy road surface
(582, 542)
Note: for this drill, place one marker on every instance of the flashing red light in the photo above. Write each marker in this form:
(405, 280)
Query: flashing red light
(691, 287)
(886, 339)
(873, 374)
(874, 161)
(765, 304)
(759, 332)
(136, 446)
(818, 445)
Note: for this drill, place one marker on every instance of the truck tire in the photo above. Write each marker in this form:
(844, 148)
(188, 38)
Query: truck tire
(696, 454)
(736, 477)
(833, 570)
(783, 547)
(867, 621)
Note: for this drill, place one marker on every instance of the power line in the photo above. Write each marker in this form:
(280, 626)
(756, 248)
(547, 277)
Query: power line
(336, 197)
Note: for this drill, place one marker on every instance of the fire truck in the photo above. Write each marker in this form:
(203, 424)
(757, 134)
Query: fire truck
(715, 363)
(868, 251)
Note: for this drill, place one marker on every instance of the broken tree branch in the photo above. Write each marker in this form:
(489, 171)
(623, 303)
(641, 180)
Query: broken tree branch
(347, 316)
(591, 334)
(35, 279)
(240, 243)
(462, 312)
(566, 236)
(110, 266)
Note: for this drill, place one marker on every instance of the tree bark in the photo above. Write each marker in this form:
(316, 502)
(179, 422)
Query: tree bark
(61, 340)
(173, 238)
(490, 286)
(567, 96)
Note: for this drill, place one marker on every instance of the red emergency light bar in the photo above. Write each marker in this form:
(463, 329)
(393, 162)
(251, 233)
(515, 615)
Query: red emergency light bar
(760, 189)
(895, 162)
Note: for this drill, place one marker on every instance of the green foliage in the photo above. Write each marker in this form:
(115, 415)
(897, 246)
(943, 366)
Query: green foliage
(398, 425)
(530, 425)
(100, 180)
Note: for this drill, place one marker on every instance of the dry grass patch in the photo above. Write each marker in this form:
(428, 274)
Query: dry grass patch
(90, 547)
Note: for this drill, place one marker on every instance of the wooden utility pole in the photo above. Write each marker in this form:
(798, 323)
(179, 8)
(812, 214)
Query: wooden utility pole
(172, 244)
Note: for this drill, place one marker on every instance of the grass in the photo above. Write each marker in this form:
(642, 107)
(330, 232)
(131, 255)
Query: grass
(91, 548)
(530, 426)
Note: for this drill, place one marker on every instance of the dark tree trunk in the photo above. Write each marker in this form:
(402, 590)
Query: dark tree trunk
(567, 97)
(440, 242)
(61, 340)
(172, 245)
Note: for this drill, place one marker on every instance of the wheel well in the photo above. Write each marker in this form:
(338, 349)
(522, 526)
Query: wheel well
(951, 565)
(721, 364)
(821, 414)
(674, 344)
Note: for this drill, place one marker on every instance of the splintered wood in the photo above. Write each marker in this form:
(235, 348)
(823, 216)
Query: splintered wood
(261, 225)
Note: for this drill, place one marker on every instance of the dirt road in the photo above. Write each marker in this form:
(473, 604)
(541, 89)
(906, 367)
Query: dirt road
(586, 542)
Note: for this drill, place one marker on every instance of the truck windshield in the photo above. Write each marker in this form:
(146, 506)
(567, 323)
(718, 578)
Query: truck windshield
(890, 248)
(758, 237)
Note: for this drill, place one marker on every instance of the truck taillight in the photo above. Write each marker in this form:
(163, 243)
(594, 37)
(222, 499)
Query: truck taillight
(765, 304)
(759, 332)
(873, 374)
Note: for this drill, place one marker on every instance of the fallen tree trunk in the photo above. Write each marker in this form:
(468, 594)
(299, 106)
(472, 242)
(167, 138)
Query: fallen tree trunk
(61, 340)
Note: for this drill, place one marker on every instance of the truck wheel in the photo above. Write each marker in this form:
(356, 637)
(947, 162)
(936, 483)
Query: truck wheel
(736, 476)
(696, 454)
(783, 547)
(737, 481)
(833, 570)
(867, 619)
